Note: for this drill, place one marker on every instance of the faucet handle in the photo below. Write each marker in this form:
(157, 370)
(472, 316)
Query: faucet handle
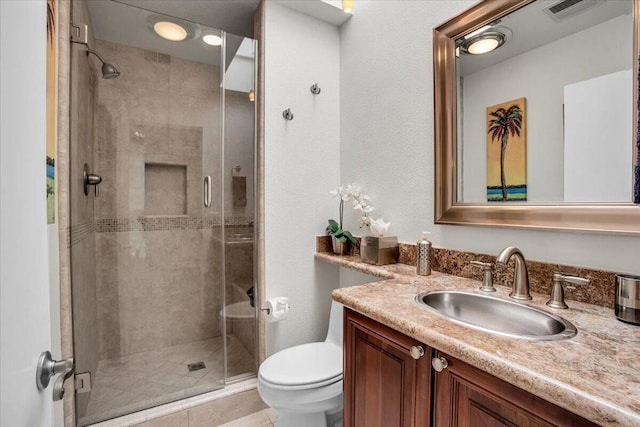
(487, 279)
(556, 299)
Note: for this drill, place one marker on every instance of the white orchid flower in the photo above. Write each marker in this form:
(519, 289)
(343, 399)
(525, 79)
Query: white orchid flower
(354, 190)
(339, 192)
(361, 203)
(379, 227)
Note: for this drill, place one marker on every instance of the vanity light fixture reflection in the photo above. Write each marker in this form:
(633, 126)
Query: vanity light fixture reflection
(347, 6)
(212, 40)
(170, 31)
(484, 42)
(252, 95)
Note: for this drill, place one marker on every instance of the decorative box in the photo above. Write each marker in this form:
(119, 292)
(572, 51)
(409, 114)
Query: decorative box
(379, 250)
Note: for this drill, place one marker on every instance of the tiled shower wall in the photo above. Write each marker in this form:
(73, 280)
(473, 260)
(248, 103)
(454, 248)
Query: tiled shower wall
(158, 135)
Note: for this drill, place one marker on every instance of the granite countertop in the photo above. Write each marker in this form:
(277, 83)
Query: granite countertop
(596, 374)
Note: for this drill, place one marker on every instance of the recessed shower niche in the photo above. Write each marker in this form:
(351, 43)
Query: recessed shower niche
(165, 189)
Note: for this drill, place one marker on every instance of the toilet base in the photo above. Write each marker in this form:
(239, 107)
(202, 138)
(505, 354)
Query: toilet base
(317, 419)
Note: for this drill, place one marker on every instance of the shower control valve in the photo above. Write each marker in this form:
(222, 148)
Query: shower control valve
(90, 179)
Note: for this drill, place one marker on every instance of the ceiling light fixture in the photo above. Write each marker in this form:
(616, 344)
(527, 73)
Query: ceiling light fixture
(170, 31)
(483, 42)
(212, 40)
(476, 32)
(347, 6)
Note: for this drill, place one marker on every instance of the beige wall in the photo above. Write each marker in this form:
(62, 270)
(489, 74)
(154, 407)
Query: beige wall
(158, 135)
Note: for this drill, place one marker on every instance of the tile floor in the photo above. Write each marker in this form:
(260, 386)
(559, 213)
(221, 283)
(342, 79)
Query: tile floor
(131, 383)
(244, 409)
(264, 418)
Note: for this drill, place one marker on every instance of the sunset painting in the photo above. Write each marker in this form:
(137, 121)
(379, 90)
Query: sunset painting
(507, 152)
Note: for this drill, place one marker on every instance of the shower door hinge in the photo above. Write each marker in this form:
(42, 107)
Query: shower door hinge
(80, 34)
(83, 382)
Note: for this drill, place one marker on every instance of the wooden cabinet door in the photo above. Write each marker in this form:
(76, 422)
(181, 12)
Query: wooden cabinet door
(468, 397)
(384, 386)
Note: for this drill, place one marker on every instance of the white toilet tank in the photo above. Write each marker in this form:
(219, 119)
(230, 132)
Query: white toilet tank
(334, 333)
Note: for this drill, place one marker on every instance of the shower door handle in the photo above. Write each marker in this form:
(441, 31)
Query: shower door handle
(207, 191)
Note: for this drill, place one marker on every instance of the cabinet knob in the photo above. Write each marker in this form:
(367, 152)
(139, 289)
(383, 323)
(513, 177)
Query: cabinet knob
(439, 363)
(417, 352)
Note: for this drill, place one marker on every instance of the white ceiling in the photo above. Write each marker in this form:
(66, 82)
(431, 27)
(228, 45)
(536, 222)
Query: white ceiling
(232, 16)
(120, 22)
(532, 27)
(329, 11)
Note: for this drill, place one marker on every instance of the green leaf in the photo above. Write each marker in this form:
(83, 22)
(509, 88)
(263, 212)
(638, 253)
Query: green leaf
(349, 236)
(333, 227)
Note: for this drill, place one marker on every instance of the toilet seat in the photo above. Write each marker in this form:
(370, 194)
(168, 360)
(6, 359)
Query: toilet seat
(303, 367)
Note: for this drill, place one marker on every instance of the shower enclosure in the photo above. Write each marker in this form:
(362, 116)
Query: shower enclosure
(161, 208)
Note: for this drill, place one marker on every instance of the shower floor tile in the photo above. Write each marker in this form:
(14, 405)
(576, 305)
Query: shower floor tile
(142, 380)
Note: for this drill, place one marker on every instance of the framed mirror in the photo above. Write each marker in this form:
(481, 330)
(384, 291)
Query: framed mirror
(536, 115)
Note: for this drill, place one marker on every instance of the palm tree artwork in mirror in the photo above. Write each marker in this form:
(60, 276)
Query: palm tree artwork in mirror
(506, 168)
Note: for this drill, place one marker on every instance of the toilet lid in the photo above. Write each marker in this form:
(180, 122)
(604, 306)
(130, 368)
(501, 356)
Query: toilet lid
(304, 364)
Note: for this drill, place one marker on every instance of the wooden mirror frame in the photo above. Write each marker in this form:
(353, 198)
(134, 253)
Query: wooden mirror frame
(610, 218)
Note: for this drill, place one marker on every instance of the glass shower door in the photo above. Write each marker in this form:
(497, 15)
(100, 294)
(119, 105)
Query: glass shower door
(147, 275)
(238, 202)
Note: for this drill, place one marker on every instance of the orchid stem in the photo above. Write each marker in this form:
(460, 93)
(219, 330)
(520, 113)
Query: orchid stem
(341, 212)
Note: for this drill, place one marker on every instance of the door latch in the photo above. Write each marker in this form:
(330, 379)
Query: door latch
(47, 368)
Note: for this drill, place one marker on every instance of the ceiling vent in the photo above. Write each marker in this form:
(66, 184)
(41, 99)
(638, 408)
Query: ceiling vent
(564, 9)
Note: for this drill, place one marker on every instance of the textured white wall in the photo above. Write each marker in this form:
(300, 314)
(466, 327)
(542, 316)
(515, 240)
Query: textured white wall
(386, 95)
(301, 166)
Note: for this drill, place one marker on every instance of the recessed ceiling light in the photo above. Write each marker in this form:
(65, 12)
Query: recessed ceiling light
(484, 42)
(212, 39)
(170, 31)
(483, 45)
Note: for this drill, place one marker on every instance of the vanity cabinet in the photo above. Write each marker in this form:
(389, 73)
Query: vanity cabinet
(384, 384)
(466, 396)
(387, 383)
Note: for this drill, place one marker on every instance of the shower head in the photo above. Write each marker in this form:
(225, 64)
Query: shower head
(108, 70)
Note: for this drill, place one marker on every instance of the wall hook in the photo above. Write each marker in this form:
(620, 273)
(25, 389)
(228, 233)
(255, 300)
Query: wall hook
(287, 114)
(315, 89)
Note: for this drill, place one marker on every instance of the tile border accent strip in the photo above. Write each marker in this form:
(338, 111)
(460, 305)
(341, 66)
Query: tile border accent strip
(600, 292)
(165, 223)
(78, 232)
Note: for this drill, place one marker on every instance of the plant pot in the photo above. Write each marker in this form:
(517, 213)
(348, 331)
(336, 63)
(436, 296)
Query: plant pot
(340, 248)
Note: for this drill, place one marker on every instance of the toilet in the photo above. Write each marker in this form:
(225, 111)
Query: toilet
(303, 384)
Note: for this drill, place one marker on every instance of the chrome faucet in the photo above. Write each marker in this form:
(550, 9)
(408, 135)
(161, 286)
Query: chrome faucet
(520, 288)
